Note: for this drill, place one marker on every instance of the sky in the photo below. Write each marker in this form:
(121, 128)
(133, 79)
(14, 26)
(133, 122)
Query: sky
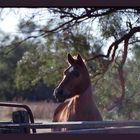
(9, 24)
(10, 19)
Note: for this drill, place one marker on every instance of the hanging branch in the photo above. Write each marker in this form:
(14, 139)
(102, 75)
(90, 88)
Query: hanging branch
(16, 44)
(113, 47)
(119, 100)
(120, 69)
(116, 44)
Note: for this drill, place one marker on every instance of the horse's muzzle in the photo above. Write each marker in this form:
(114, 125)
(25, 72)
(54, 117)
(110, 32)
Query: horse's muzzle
(59, 95)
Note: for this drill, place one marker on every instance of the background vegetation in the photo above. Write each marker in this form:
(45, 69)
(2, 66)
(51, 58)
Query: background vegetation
(32, 61)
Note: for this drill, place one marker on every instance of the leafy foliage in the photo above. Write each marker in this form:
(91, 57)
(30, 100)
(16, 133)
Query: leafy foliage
(30, 68)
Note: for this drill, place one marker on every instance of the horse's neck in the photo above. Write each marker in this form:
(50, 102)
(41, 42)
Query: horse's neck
(86, 99)
(86, 106)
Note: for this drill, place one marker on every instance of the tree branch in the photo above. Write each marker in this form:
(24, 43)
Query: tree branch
(78, 19)
(116, 44)
(118, 101)
(16, 44)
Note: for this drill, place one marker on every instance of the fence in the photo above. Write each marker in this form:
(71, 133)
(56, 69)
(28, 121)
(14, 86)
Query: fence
(85, 127)
(23, 122)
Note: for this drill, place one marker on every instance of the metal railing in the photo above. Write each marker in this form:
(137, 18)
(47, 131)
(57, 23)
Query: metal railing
(27, 108)
(79, 127)
(123, 127)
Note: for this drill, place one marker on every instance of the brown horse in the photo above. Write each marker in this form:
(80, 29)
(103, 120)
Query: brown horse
(75, 91)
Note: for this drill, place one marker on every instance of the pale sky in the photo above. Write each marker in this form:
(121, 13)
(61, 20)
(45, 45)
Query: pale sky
(11, 19)
(9, 24)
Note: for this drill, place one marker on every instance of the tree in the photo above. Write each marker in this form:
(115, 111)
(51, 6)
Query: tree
(110, 21)
(72, 30)
(7, 70)
(46, 62)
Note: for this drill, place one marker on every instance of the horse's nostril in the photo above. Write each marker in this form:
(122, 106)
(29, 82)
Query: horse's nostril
(58, 92)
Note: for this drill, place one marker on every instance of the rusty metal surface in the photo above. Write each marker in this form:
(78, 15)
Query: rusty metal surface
(27, 108)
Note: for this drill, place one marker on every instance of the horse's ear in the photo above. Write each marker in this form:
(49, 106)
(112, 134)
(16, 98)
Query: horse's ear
(70, 59)
(80, 60)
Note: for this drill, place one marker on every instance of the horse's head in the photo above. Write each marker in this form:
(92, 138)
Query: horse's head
(75, 80)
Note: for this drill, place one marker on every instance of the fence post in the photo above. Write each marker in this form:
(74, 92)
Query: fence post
(20, 117)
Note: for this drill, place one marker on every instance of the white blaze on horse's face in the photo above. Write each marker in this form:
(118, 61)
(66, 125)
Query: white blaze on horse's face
(71, 69)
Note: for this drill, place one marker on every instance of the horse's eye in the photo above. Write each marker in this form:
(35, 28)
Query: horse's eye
(76, 73)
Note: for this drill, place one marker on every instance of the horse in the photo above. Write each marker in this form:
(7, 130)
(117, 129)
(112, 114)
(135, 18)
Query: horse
(75, 93)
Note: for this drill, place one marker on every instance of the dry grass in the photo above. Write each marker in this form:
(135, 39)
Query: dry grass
(41, 110)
